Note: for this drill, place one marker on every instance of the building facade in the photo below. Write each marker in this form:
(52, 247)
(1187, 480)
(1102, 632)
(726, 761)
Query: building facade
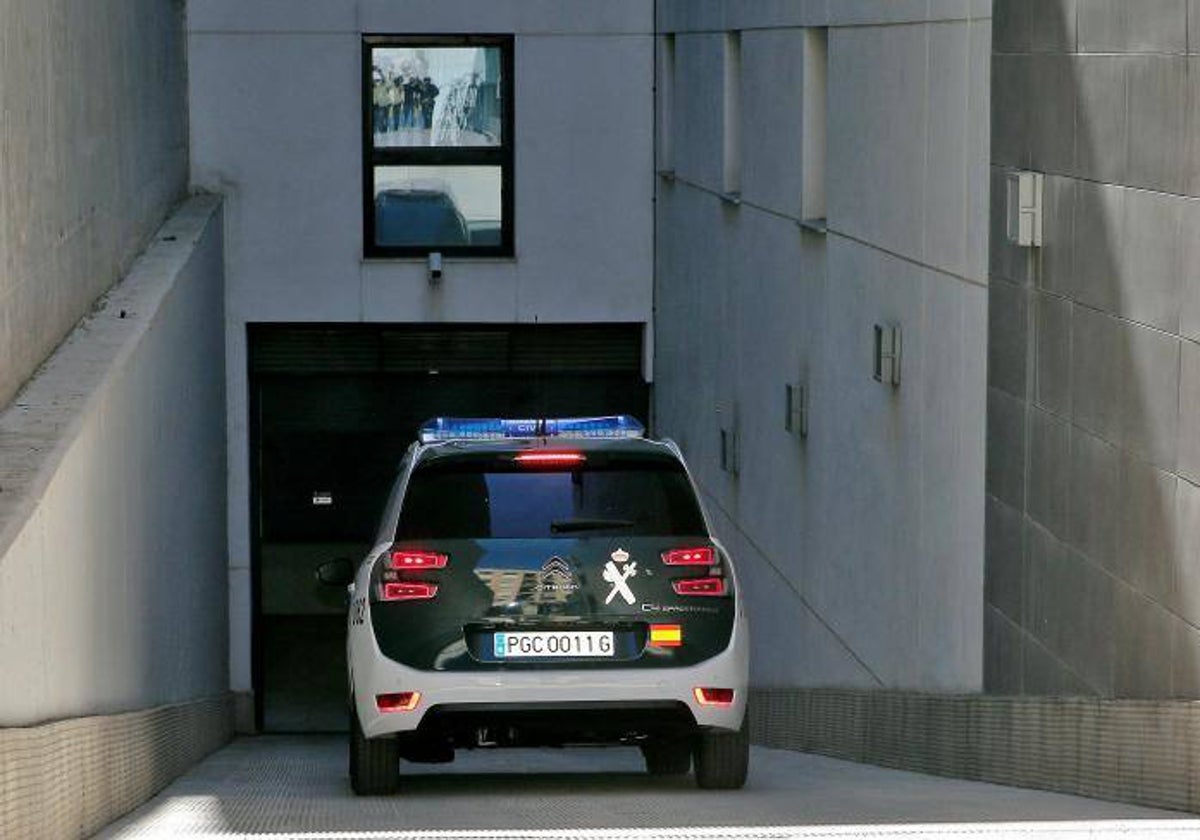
(337, 344)
(114, 643)
(960, 475)
(823, 172)
(1094, 373)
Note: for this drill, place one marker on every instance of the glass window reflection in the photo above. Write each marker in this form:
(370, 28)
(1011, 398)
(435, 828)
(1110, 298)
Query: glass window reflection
(436, 96)
(438, 206)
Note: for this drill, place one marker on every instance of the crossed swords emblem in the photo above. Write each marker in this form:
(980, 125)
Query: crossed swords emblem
(619, 576)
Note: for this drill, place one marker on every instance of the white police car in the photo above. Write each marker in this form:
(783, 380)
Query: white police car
(546, 583)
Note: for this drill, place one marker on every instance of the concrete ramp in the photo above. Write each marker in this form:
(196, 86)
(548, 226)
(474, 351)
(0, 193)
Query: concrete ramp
(295, 788)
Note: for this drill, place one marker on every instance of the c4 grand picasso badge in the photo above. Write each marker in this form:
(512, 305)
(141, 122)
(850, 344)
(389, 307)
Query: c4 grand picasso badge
(618, 574)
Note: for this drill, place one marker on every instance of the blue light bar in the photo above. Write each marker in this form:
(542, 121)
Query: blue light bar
(619, 426)
(499, 428)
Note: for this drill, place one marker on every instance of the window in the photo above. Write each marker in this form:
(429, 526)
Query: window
(494, 501)
(666, 104)
(732, 181)
(437, 145)
(816, 95)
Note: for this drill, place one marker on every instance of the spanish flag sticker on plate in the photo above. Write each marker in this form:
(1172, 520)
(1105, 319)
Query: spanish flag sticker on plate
(666, 635)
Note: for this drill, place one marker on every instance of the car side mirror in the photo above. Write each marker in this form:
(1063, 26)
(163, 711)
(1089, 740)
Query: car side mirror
(339, 572)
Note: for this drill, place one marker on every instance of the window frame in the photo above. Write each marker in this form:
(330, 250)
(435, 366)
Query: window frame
(491, 156)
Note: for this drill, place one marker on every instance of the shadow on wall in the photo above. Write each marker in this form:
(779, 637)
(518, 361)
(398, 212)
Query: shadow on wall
(1092, 579)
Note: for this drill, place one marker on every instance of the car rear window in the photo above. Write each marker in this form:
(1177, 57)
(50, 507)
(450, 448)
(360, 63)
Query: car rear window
(486, 501)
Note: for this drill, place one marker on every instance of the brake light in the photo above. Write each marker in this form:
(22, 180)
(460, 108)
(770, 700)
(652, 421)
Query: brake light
(550, 459)
(403, 559)
(403, 701)
(704, 556)
(666, 635)
(699, 586)
(713, 696)
(408, 591)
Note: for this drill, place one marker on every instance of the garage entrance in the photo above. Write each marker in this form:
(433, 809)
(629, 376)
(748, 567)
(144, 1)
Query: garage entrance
(332, 410)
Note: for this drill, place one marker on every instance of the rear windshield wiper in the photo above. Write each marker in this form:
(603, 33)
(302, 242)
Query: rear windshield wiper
(562, 526)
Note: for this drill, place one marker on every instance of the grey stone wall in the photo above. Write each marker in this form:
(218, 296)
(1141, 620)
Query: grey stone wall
(1093, 508)
(859, 546)
(70, 778)
(112, 497)
(93, 152)
(1141, 751)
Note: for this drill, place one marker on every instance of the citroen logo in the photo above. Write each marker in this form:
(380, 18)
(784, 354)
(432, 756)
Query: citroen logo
(556, 569)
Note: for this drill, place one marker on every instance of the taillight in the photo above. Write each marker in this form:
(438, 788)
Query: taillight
(407, 591)
(550, 459)
(699, 586)
(713, 696)
(403, 701)
(704, 556)
(404, 559)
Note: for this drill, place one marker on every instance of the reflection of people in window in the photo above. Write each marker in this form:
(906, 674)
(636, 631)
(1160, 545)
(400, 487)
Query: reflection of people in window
(472, 101)
(379, 99)
(429, 92)
(411, 111)
(395, 92)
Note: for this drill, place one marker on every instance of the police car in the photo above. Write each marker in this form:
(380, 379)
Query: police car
(546, 583)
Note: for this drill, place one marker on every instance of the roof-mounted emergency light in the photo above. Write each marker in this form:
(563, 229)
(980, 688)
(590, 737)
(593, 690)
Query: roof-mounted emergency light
(498, 428)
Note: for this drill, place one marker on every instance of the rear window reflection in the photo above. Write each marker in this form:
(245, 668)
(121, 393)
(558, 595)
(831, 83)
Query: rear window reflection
(478, 504)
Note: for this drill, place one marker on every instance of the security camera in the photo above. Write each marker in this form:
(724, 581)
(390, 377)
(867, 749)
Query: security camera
(435, 267)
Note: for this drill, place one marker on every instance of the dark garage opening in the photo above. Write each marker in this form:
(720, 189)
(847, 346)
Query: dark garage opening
(332, 410)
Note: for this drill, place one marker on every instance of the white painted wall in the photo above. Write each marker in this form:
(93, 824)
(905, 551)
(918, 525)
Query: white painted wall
(276, 128)
(93, 154)
(862, 546)
(112, 497)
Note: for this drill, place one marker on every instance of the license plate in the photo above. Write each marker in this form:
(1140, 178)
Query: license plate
(541, 644)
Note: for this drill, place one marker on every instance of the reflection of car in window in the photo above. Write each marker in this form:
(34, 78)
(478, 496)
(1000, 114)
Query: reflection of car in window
(484, 231)
(419, 215)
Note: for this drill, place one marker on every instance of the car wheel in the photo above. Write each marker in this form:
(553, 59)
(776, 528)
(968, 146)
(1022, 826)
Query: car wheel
(374, 762)
(667, 757)
(722, 758)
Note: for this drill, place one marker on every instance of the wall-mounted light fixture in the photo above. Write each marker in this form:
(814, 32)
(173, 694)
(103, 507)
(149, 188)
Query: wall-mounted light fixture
(1024, 207)
(435, 268)
(730, 440)
(796, 418)
(887, 354)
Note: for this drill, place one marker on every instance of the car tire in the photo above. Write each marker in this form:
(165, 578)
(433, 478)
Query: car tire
(667, 757)
(374, 762)
(722, 758)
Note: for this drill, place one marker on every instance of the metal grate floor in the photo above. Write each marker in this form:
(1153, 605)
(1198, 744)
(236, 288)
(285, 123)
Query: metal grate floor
(295, 788)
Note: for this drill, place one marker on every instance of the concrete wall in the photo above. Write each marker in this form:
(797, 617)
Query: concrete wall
(1140, 751)
(69, 778)
(1093, 513)
(277, 129)
(861, 545)
(112, 497)
(93, 153)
